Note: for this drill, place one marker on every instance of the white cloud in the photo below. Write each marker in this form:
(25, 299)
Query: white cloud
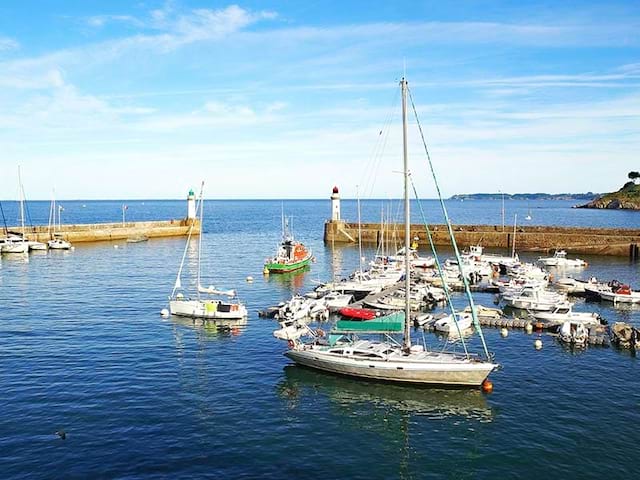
(8, 44)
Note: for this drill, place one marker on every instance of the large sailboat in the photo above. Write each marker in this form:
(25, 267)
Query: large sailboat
(344, 352)
(209, 302)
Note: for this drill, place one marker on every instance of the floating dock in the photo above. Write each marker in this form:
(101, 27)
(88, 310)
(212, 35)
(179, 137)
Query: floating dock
(575, 240)
(98, 232)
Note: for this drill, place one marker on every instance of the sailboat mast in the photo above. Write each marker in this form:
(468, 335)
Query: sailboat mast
(201, 234)
(407, 218)
(21, 194)
(359, 232)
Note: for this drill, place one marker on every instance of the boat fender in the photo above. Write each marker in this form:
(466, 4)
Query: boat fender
(290, 343)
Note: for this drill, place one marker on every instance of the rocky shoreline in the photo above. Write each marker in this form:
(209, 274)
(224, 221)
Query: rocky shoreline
(627, 198)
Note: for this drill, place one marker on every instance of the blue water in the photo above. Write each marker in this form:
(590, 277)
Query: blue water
(83, 349)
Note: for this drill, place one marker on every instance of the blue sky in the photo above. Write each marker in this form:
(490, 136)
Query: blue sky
(126, 99)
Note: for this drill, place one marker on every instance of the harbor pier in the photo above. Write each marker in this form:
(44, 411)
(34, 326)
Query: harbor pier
(575, 240)
(98, 232)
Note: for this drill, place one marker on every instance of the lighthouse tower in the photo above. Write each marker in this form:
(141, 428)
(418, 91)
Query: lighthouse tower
(335, 205)
(191, 205)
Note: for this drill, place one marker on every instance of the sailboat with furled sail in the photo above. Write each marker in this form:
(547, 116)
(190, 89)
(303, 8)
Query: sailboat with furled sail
(217, 304)
(344, 352)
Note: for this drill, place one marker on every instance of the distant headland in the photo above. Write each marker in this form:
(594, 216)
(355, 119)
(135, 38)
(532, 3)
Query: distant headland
(525, 196)
(627, 198)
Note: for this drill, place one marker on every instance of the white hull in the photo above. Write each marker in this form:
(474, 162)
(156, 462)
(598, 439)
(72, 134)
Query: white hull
(443, 369)
(22, 247)
(209, 309)
(634, 297)
(582, 318)
(38, 246)
(59, 245)
(448, 324)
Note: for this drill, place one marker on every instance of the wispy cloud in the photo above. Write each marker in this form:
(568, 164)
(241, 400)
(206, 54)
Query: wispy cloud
(8, 44)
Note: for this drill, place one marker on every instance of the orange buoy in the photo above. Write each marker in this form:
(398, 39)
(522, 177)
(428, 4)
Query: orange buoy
(487, 386)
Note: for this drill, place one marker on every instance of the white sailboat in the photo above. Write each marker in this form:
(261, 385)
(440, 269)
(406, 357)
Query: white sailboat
(346, 354)
(57, 241)
(223, 305)
(16, 244)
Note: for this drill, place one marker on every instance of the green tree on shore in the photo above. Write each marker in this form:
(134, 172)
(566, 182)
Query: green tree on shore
(633, 176)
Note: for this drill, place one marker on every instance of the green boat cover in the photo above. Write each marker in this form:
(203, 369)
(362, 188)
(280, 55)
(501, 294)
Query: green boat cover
(393, 323)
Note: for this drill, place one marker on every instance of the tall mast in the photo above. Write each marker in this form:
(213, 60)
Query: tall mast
(407, 220)
(359, 233)
(21, 194)
(201, 233)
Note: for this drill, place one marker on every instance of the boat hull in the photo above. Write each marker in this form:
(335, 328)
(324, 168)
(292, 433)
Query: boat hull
(206, 309)
(461, 374)
(286, 267)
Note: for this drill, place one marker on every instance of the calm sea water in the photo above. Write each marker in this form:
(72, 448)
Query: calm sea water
(83, 349)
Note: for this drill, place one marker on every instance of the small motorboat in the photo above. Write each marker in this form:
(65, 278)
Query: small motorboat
(574, 334)
(448, 324)
(358, 313)
(623, 294)
(564, 313)
(560, 259)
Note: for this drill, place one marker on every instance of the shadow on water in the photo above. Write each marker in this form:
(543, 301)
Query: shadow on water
(367, 397)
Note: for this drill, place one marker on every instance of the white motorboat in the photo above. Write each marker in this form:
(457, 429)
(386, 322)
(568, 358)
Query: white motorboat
(535, 300)
(336, 300)
(224, 305)
(477, 252)
(343, 352)
(574, 334)
(622, 294)
(415, 259)
(564, 313)
(574, 286)
(448, 324)
(560, 259)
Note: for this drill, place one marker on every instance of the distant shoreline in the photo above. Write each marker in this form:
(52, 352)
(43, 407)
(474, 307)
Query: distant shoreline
(525, 196)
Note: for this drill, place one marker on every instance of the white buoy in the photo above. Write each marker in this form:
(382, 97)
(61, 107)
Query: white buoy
(115, 246)
(164, 313)
(529, 327)
(504, 332)
(249, 279)
(537, 344)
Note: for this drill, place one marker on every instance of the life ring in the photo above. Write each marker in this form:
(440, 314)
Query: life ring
(290, 343)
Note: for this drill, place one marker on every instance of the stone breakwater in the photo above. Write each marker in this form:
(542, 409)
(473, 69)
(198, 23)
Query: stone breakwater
(596, 241)
(97, 232)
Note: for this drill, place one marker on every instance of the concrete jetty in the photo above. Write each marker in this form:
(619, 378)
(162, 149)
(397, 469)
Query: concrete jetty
(576, 240)
(97, 232)
(596, 241)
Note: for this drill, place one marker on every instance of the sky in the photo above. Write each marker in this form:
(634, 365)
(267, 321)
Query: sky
(285, 99)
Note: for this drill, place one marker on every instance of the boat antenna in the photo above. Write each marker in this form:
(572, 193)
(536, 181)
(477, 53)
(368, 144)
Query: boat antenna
(407, 219)
(465, 282)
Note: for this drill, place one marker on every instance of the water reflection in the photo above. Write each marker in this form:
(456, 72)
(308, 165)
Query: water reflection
(206, 329)
(294, 281)
(362, 397)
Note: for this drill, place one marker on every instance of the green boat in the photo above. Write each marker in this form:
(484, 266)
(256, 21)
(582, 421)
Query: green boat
(291, 255)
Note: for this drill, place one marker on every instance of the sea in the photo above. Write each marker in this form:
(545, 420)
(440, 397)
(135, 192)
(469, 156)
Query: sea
(85, 355)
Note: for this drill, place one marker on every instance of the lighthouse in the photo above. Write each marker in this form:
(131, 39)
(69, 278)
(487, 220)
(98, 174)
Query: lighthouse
(335, 205)
(191, 205)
